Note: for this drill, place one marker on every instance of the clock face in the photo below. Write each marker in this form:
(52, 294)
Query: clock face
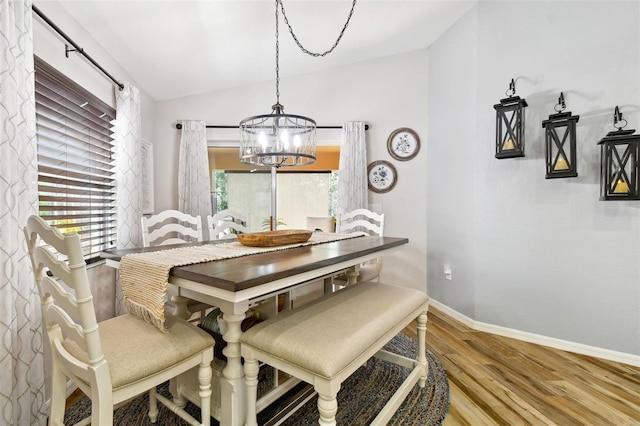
(382, 176)
(403, 144)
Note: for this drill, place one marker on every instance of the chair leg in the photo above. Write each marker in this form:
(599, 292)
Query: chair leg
(101, 411)
(204, 378)
(251, 369)
(327, 407)
(153, 406)
(58, 395)
(422, 337)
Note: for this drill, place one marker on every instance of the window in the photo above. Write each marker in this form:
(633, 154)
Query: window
(76, 169)
(301, 191)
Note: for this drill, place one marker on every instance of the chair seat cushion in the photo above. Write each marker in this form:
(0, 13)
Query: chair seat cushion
(135, 349)
(326, 336)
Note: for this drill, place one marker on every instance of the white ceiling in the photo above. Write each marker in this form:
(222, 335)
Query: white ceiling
(176, 48)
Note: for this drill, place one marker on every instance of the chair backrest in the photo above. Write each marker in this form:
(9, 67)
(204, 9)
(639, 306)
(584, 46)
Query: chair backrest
(361, 221)
(322, 223)
(67, 315)
(227, 223)
(170, 227)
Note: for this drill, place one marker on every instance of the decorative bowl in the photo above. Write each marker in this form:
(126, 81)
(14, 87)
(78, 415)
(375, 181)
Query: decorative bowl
(275, 238)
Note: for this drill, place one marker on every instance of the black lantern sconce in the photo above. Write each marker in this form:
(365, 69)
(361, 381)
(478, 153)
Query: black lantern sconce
(619, 167)
(560, 142)
(510, 124)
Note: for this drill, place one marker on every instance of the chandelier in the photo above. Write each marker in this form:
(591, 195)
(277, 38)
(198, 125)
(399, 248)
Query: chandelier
(279, 139)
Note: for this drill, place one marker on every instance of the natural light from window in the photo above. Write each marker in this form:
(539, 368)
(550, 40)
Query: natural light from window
(302, 192)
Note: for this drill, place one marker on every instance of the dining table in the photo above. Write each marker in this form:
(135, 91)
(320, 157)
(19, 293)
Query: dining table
(236, 284)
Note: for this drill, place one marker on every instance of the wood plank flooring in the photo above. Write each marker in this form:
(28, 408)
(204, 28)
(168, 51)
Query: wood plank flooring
(495, 380)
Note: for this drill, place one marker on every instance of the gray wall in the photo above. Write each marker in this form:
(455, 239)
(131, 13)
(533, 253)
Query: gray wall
(536, 255)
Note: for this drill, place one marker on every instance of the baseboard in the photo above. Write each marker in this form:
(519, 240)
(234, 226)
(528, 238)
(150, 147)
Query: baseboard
(538, 339)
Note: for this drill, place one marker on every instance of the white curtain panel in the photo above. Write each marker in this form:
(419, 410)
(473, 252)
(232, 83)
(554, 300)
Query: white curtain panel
(352, 185)
(194, 182)
(128, 141)
(22, 390)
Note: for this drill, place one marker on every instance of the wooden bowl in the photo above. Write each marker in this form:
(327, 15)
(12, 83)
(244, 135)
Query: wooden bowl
(275, 238)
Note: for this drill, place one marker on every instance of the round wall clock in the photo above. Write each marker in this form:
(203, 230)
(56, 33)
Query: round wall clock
(403, 144)
(382, 176)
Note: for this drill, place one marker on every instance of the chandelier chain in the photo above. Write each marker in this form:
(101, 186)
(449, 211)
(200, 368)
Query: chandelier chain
(277, 58)
(315, 54)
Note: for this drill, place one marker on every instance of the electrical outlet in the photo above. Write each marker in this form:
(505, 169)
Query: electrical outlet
(447, 272)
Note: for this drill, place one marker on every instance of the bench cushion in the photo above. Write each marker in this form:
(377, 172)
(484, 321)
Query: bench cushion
(327, 335)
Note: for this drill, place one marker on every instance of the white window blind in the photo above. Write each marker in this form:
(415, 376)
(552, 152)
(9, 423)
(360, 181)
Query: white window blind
(76, 170)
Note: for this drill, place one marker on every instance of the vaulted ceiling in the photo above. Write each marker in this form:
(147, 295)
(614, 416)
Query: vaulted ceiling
(176, 48)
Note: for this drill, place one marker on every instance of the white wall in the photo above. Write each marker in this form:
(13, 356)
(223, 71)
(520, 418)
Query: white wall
(387, 93)
(536, 255)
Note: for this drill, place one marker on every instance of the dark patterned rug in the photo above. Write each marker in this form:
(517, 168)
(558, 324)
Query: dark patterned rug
(360, 399)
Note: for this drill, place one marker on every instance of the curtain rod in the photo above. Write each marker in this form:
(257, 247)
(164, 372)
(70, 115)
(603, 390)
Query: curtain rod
(75, 45)
(179, 126)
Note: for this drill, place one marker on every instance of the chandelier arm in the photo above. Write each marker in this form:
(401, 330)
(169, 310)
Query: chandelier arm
(314, 54)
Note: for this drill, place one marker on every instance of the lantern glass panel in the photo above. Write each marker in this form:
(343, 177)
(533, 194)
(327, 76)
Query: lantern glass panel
(560, 142)
(620, 178)
(510, 127)
(620, 169)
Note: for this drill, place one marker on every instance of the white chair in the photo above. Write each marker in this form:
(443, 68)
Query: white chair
(321, 223)
(170, 227)
(114, 360)
(174, 227)
(362, 222)
(226, 224)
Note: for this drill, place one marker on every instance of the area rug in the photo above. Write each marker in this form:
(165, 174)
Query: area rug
(360, 399)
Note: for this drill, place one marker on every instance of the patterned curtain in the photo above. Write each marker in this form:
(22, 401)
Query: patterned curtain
(22, 391)
(128, 141)
(194, 182)
(352, 185)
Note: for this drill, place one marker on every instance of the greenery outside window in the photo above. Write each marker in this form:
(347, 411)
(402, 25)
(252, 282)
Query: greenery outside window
(76, 169)
(301, 191)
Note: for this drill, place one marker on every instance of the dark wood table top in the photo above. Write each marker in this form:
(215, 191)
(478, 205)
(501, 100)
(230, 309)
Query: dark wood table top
(240, 273)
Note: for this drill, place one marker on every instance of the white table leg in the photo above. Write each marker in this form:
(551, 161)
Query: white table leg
(180, 307)
(232, 386)
(352, 276)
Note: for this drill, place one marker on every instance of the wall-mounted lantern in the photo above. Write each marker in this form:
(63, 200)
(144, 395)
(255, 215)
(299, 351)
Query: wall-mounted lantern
(510, 124)
(619, 162)
(560, 142)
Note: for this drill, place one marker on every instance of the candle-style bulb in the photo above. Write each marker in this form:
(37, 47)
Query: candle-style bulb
(508, 145)
(284, 138)
(262, 140)
(561, 164)
(621, 187)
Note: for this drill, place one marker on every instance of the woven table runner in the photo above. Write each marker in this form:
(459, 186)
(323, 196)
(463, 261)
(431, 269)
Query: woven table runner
(144, 276)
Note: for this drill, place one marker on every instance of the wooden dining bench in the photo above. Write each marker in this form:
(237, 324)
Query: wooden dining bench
(323, 343)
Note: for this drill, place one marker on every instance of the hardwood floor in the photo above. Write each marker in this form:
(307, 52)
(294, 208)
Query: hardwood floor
(495, 380)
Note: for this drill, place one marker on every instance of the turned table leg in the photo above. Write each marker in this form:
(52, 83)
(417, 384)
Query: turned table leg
(232, 387)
